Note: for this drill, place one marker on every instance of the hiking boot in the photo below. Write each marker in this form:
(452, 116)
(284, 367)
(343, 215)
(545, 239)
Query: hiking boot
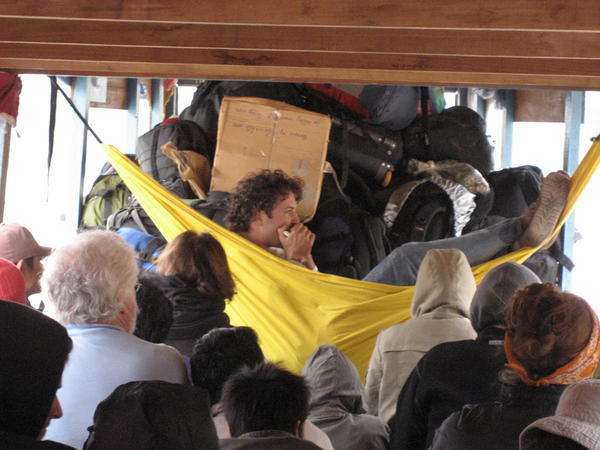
(543, 216)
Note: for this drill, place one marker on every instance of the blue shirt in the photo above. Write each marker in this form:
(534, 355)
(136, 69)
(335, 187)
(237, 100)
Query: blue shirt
(104, 357)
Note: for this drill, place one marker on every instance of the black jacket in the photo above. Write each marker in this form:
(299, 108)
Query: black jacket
(497, 425)
(194, 313)
(456, 373)
(448, 376)
(33, 350)
(153, 415)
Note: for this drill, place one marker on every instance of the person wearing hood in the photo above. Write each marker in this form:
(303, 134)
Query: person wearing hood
(337, 402)
(159, 415)
(34, 351)
(438, 385)
(440, 313)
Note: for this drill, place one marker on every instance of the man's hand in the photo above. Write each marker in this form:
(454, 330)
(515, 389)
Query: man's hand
(297, 243)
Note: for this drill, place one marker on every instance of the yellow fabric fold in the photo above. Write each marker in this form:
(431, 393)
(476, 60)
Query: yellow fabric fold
(292, 309)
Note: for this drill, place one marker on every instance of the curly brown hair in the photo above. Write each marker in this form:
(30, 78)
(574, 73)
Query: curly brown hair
(259, 191)
(547, 327)
(200, 260)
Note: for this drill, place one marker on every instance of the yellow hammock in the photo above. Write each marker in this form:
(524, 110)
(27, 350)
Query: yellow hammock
(292, 309)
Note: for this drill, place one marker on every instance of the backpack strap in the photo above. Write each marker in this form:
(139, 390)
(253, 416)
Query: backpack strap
(135, 215)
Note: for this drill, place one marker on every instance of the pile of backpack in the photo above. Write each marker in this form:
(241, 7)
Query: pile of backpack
(372, 199)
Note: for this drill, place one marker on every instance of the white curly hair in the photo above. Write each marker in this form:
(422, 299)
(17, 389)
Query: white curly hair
(86, 280)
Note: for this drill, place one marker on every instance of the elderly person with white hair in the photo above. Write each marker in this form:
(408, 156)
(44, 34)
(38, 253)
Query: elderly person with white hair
(90, 285)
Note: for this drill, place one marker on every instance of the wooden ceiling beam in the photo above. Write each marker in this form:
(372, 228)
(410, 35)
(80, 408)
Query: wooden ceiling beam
(298, 74)
(425, 63)
(506, 43)
(524, 14)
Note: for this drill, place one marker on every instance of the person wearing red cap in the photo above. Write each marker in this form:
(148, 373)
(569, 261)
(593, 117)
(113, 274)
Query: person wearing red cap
(18, 245)
(12, 283)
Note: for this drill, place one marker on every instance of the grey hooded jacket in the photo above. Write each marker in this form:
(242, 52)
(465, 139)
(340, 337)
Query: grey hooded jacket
(337, 402)
(440, 311)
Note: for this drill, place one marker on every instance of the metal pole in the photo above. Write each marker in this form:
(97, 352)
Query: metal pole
(4, 149)
(573, 118)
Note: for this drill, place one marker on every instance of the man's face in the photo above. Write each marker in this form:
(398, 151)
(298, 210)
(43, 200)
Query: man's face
(283, 215)
(32, 275)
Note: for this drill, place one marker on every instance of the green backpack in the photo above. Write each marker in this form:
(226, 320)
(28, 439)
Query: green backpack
(108, 194)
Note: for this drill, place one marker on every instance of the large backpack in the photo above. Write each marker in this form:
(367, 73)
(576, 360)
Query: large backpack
(456, 133)
(185, 135)
(349, 240)
(108, 194)
(424, 212)
(371, 150)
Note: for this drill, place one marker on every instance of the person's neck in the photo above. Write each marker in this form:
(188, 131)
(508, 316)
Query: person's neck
(115, 322)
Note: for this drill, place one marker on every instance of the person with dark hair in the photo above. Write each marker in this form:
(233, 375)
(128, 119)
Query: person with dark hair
(574, 426)
(155, 315)
(552, 340)
(438, 385)
(158, 415)
(265, 407)
(262, 208)
(197, 280)
(337, 402)
(440, 313)
(34, 351)
(219, 354)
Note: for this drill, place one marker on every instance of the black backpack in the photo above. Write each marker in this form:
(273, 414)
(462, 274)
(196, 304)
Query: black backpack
(423, 213)
(456, 133)
(185, 135)
(349, 240)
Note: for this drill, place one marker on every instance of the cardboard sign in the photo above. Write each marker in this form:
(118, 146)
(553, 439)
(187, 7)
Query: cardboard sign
(256, 133)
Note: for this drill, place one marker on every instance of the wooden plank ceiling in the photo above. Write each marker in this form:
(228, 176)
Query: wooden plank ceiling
(543, 43)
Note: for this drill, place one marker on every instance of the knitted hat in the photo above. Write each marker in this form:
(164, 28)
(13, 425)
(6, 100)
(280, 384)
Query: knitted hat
(17, 243)
(12, 283)
(577, 417)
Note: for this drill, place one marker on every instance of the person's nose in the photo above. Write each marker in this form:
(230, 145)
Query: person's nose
(295, 218)
(56, 409)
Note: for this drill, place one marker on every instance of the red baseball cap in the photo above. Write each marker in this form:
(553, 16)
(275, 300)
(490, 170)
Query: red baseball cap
(17, 243)
(12, 283)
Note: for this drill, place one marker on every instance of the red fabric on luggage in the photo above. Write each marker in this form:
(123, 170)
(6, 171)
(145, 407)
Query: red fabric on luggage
(10, 88)
(340, 96)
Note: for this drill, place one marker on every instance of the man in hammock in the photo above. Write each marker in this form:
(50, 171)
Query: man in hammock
(262, 208)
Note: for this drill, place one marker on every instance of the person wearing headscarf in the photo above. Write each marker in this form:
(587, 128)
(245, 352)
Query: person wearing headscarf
(158, 415)
(452, 374)
(337, 402)
(34, 351)
(440, 313)
(552, 340)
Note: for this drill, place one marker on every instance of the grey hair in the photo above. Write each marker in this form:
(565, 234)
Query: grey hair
(85, 279)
